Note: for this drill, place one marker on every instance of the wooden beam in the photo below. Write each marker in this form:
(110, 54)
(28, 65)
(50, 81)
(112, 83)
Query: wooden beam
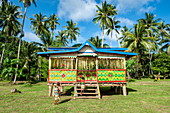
(124, 63)
(76, 62)
(124, 90)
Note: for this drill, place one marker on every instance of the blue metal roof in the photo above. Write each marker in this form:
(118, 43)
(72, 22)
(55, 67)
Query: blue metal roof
(103, 50)
(61, 48)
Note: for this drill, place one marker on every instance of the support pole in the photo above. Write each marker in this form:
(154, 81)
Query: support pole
(97, 63)
(75, 91)
(115, 89)
(49, 66)
(124, 63)
(50, 89)
(124, 90)
(76, 62)
(53, 86)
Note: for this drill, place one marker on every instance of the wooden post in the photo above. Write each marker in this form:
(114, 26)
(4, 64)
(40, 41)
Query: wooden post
(98, 89)
(124, 90)
(75, 91)
(115, 88)
(50, 89)
(76, 62)
(97, 63)
(53, 86)
(49, 66)
(124, 63)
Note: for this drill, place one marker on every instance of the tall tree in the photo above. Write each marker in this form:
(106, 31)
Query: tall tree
(71, 31)
(30, 59)
(164, 37)
(53, 22)
(113, 27)
(61, 39)
(137, 41)
(150, 24)
(97, 42)
(9, 23)
(41, 29)
(27, 3)
(104, 16)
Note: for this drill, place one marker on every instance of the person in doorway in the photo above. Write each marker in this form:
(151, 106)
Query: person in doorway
(57, 91)
(82, 88)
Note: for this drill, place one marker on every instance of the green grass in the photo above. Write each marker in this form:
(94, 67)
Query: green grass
(145, 96)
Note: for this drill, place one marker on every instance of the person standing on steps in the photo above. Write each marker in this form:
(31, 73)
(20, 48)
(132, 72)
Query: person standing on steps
(82, 88)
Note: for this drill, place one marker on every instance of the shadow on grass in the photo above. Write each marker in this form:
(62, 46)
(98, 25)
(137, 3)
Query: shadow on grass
(63, 101)
(68, 92)
(106, 91)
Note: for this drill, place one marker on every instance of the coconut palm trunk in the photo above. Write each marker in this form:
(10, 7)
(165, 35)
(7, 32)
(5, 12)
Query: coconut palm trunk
(102, 38)
(2, 56)
(20, 40)
(3, 51)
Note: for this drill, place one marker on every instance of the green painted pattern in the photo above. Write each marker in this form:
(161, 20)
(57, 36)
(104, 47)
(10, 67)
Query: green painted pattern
(68, 76)
(105, 75)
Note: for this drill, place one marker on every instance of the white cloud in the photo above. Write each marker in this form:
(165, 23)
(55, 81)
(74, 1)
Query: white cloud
(81, 39)
(30, 37)
(125, 6)
(126, 21)
(99, 33)
(148, 9)
(77, 10)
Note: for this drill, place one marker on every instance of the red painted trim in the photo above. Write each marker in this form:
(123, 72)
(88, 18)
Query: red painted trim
(112, 81)
(90, 80)
(97, 75)
(62, 69)
(86, 70)
(112, 69)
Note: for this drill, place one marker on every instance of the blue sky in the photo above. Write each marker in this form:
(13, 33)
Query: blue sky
(83, 11)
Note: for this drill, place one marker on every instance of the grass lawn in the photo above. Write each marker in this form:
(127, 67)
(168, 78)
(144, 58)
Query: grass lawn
(145, 96)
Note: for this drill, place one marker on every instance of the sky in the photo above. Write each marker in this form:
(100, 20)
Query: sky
(83, 11)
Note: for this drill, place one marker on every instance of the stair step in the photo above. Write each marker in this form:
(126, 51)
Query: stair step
(87, 97)
(88, 93)
(89, 89)
(92, 85)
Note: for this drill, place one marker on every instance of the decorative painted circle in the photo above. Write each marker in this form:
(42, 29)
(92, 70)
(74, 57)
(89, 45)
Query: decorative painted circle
(63, 75)
(110, 75)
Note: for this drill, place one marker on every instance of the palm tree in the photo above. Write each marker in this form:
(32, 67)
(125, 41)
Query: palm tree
(30, 59)
(40, 27)
(77, 45)
(9, 15)
(165, 36)
(104, 15)
(53, 22)
(149, 21)
(124, 30)
(27, 3)
(137, 41)
(113, 27)
(61, 39)
(71, 31)
(150, 24)
(97, 42)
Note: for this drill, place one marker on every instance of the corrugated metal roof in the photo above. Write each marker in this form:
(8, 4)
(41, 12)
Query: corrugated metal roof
(103, 50)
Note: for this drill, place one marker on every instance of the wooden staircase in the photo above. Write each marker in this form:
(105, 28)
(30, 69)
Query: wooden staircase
(92, 90)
